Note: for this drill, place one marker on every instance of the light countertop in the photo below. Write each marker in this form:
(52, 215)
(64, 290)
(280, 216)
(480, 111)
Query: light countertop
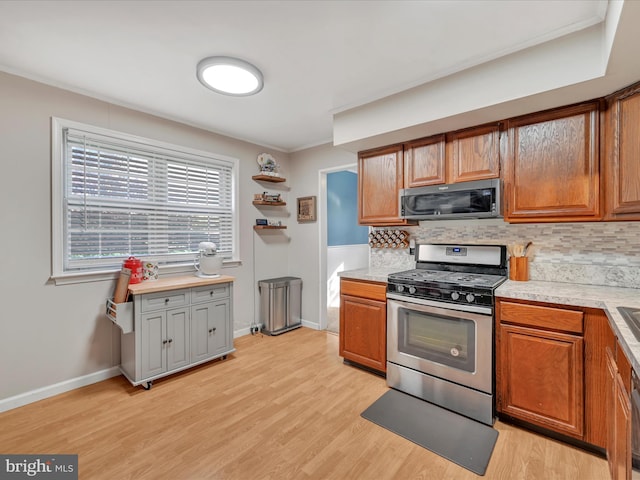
(589, 296)
(376, 274)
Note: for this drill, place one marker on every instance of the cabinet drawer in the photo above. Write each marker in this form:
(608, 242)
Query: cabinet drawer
(209, 292)
(162, 300)
(374, 291)
(542, 317)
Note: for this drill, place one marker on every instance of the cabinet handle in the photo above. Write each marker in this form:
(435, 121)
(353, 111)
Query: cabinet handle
(213, 329)
(164, 342)
(211, 293)
(170, 340)
(166, 300)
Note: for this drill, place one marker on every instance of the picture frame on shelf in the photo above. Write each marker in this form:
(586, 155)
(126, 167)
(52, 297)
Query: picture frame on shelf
(306, 209)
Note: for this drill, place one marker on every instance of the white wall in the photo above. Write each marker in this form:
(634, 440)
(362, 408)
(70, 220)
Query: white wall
(340, 259)
(587, 64)
(306, 256)
(51, 334)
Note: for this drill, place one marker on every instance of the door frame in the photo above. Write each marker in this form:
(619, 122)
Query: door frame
(322, 241)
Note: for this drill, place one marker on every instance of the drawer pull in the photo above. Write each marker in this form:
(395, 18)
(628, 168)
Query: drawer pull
(166, 300)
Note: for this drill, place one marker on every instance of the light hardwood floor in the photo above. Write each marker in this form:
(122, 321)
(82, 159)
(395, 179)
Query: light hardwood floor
(281, 407)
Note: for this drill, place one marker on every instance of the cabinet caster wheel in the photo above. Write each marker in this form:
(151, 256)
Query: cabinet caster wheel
(148, 386)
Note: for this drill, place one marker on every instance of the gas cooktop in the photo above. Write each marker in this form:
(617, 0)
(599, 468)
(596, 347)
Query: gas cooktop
(460, 274)
(424, 277)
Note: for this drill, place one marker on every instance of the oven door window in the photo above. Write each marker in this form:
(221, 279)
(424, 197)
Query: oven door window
(448, 341)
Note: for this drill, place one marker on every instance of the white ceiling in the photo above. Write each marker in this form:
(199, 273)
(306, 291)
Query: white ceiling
(318, 57)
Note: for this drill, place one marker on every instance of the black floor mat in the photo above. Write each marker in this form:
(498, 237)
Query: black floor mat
(454, 437)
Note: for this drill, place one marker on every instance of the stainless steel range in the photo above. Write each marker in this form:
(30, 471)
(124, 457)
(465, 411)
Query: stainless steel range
(440, 340)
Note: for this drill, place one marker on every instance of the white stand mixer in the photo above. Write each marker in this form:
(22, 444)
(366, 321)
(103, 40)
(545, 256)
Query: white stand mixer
(207, 263)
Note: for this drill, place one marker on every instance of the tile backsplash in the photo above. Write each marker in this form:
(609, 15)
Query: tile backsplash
(601, 253)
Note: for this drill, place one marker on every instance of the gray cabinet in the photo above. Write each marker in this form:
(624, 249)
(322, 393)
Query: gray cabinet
(210, 332)
(175, 329)
(164, 341)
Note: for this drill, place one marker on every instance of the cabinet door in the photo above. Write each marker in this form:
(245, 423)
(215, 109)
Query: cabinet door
(552, 166)
(622, 160)
(221, 335)
(598, 338)
(177, 346)
(424, 162)
(380, 178)
(153, 335)
(210, 330)
(541, 378)
(622, 460)
(474, 154)
(610, 412)
(618, 413)
(363, 331)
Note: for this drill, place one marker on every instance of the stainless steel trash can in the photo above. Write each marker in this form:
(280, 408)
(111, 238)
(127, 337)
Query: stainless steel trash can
(280, 304)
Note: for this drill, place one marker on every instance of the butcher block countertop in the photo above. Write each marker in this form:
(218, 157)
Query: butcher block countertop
(174, 283)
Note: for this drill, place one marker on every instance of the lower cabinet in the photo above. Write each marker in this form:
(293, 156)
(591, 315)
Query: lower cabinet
(164, 339)
(618, 415)
(562, 369)
(177, 329)
(541, 368)
(210, 330)
(363, 323)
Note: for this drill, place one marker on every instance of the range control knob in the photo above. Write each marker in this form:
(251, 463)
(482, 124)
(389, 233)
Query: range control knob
(455, 295)
(470, 297)
(400, 288)
(412, 290)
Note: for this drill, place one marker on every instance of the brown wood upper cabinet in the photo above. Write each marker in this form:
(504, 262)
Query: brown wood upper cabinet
(380, 178)
(621, 162)
(461, 156)
(552, 166)
(473, 154)
(424, 162)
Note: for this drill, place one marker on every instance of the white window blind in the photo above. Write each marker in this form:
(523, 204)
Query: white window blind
(124, 197)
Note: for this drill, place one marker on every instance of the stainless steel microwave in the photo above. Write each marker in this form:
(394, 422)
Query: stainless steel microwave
(476, 199)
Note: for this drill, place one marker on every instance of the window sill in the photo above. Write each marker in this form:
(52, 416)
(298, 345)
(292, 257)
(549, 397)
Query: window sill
(104, 275)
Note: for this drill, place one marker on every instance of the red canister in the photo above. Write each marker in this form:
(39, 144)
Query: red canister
(135, 265)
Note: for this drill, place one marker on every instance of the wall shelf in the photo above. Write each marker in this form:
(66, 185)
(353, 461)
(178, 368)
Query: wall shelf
(269, 227)
(275, 204)
(269, 178)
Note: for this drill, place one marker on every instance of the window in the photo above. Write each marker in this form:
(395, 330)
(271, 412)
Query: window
(117, 195)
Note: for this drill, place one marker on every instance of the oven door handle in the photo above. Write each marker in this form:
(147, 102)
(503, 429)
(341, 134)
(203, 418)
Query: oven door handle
(408, 303)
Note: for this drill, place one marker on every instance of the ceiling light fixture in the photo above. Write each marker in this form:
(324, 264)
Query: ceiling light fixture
(230, 76)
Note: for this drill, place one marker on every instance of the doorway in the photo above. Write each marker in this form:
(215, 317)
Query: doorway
(343, 241)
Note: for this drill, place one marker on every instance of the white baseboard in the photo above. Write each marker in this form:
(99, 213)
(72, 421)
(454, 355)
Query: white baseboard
(242, 332)
(51, 390)
(307, 324)
(247, 331)
(67, 385)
